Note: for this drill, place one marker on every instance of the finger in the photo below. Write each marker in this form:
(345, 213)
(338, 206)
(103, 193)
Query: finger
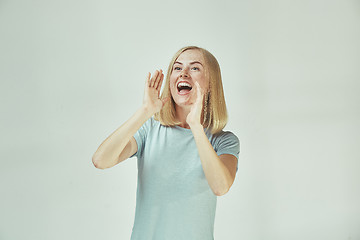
(157, 80)
(158, 87)
(152, 83)
(198, 88)
(197, 85)
(147, 81)
(200, 94)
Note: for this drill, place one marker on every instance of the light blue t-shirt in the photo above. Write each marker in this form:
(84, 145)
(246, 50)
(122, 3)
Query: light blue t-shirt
(174, 200)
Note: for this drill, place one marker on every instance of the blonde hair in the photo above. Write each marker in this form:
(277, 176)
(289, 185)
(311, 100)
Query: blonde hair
(214, 113)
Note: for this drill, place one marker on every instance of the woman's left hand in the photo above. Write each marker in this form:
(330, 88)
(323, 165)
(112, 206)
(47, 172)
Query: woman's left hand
(194, 117)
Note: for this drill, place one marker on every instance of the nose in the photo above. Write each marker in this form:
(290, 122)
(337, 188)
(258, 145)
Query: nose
(184, 73)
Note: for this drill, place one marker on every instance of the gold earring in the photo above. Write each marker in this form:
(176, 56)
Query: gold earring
(206, 107)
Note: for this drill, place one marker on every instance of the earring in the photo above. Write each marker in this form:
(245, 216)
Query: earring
(206, 106)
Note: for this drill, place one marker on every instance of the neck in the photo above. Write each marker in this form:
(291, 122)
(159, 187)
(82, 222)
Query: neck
(181, 114)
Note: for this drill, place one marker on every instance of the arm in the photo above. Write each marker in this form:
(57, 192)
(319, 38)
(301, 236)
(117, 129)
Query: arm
(109, 153)
(220, 170)
(120, 144)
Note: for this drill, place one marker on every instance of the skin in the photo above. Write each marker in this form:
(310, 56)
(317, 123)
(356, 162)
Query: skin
(189, 66)
(219, 171)
(152, 102)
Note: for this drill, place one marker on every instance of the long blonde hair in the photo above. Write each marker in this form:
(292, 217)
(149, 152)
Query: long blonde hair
(214, 113)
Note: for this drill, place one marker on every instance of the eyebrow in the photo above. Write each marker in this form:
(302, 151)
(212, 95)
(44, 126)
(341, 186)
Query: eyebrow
(190, 63)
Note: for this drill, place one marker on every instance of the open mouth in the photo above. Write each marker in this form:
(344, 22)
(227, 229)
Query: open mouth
(184, 88)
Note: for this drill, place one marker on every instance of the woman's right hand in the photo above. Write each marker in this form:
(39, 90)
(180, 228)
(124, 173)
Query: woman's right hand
(152, 101)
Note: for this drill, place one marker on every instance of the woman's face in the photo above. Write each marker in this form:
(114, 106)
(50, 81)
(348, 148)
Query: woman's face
(188, 68)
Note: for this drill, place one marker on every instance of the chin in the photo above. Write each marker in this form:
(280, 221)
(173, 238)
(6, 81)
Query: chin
(183, 101)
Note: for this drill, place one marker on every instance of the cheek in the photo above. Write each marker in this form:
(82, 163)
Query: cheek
(172, 82)
(173, 88)
(204, 83)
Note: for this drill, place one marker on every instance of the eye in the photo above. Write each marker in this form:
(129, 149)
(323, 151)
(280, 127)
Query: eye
(177, 68)
(196, 68)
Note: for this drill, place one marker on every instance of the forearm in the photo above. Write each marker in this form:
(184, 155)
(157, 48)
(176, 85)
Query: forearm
(216, 173)
(108, 152)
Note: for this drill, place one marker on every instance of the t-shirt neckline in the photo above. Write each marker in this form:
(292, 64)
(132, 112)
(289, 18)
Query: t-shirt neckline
(186, 129)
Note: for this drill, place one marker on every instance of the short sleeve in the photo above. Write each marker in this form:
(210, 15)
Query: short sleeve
(228, 143)
(140, 137)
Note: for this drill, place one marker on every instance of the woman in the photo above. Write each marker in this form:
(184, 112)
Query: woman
(185, 159)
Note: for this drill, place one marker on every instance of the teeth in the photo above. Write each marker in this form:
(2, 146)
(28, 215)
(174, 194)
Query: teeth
(182, 84)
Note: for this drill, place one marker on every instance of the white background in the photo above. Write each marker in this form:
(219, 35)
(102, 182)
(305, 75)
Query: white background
(73, 71)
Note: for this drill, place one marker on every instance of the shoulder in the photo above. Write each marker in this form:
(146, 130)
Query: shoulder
(151, 122)
(153, 126)
(223, 138)
(224, 135)
(226, 142)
